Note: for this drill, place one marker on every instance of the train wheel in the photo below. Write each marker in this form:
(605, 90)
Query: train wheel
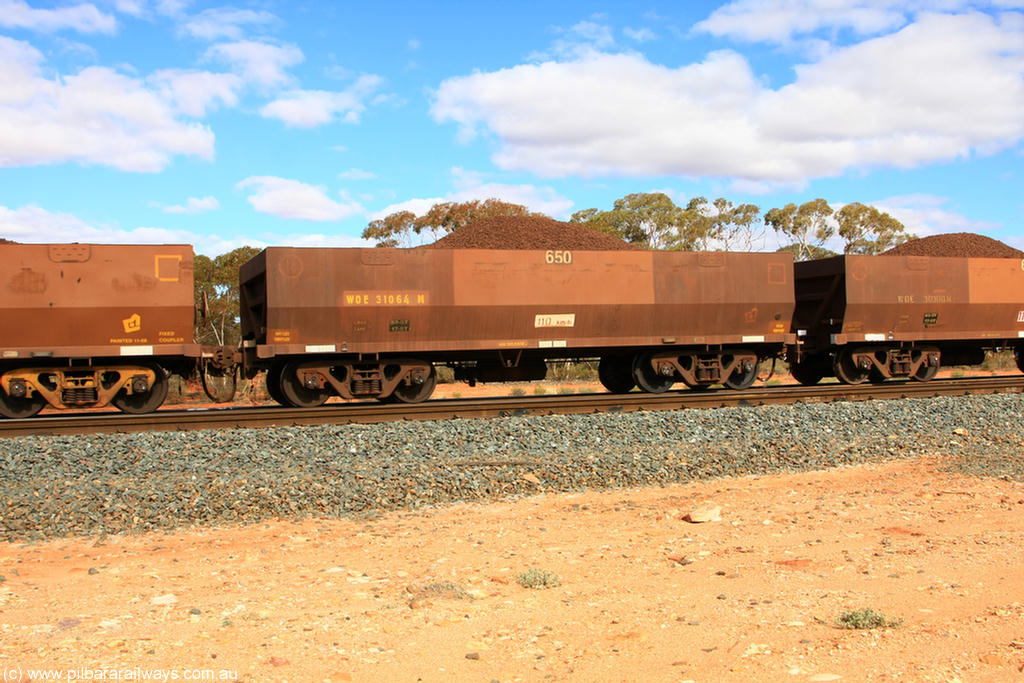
(646, 378)
(807, 374)
(415, 393)
(273, 382)
(616, 374)
(875, 376)
(847, 370)
(926, 373)
(741, 379)
(295, 393)
(17, 407)
(141, 403)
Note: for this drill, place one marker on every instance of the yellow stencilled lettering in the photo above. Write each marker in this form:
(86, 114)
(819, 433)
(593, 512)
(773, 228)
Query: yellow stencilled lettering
(128, 340)
(905, 299)
(385, 298)
(938, 299)
(558, 257)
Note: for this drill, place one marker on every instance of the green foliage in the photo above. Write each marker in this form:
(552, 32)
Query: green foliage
(737, 228)
(813, 252)
(1002, 360)
(216, 292)
(867, 618)
(448, 590)
(649, 219)
(868, 230)
(566, 390)
(517, 391)
(809, 226)
(538, 578)
(391, 230)
(654, 221)
(401, 228)
(539, 390)
(559, 371)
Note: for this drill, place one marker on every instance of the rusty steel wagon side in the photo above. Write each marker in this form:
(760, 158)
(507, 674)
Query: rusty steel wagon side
(373, 323)
(863, 318)
(87, 325)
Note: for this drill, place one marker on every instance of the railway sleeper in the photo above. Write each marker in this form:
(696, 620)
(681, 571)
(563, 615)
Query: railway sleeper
(131, 388)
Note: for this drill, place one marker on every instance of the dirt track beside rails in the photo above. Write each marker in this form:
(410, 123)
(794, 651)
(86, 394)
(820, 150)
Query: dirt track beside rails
(643, 594)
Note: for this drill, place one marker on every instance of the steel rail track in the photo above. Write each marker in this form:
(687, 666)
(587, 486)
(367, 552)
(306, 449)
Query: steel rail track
(441, 409)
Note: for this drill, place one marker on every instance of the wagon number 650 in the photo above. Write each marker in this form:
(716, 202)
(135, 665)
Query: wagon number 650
(558, 257)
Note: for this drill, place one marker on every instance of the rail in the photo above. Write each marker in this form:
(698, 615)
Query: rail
(440, 409)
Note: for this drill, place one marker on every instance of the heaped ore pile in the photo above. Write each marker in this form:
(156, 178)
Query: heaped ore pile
(518, 232)
(956, 244)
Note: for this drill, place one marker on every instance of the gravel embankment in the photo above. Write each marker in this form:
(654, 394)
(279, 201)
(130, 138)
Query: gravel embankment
(60, 486)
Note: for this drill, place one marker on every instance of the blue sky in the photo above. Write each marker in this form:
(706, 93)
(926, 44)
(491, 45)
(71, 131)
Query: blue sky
(298, 122)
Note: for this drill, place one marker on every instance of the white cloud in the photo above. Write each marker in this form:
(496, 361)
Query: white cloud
(470, 185)
(172, 8)
(782, 21)
(310, 108)
(640, 35)
(194, 205)
(84, 18)
(259, 62)
(32, 224)
(193, 92)
(224, 22)
(925, 214)
(357, 174)
(579, 40)
(286, 198)
(135, 8)
(97, 116)
(315, 240)
(944, 87)
(779, 20)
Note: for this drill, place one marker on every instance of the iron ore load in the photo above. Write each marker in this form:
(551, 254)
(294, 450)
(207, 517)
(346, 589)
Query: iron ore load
(88, 325)
(373, 323)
